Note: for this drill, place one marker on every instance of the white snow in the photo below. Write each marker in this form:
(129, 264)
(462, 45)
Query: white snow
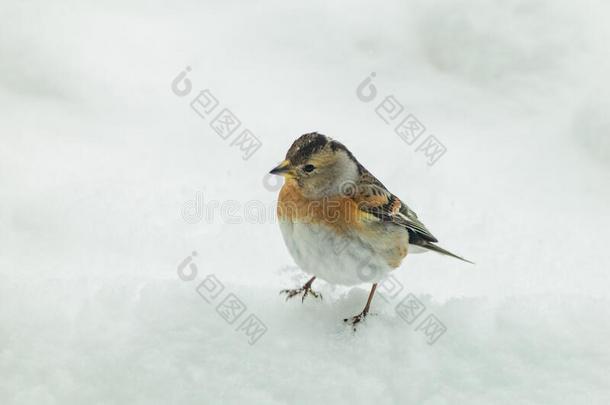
(99, 161)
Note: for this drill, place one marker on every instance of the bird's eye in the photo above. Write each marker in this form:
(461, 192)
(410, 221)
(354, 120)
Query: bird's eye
(309, 168)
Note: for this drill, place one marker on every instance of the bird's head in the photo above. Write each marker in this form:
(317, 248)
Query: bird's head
(319, 165)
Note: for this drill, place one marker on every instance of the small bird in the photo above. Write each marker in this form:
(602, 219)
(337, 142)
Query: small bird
(340, 223)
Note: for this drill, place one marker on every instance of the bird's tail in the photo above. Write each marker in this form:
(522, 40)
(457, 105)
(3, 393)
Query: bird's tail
(438, 249)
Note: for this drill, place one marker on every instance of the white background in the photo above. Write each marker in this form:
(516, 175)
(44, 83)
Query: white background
(98, 157)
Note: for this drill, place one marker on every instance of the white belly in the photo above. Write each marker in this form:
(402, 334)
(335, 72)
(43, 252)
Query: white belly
(337, 259)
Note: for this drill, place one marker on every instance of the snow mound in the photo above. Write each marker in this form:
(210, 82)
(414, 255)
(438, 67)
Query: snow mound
(160, 342)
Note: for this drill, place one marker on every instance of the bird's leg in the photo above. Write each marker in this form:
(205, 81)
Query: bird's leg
(354, 320)
(306, 290)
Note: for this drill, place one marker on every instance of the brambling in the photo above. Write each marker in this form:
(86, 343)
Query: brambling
(339, 222)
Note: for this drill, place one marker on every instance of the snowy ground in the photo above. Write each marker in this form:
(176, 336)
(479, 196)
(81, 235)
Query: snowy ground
(100, 162)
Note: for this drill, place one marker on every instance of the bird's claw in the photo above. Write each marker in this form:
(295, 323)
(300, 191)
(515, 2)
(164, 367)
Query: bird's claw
(306, 290)
(355, 320)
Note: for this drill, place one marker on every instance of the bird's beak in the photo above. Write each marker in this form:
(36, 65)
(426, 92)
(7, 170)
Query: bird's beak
(282, 169)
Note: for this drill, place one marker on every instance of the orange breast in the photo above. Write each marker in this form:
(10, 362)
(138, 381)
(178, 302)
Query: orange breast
(341, 213)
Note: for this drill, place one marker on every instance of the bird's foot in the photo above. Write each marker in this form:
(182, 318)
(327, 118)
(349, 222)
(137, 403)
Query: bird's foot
(355, 320)
(305, 290)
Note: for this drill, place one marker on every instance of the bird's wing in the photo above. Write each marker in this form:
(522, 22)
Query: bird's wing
(374, 198)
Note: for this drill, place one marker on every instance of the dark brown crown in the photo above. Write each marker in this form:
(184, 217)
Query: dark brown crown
(305, 146)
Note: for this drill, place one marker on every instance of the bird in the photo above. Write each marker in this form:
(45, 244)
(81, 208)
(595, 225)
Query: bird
(340, 223)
